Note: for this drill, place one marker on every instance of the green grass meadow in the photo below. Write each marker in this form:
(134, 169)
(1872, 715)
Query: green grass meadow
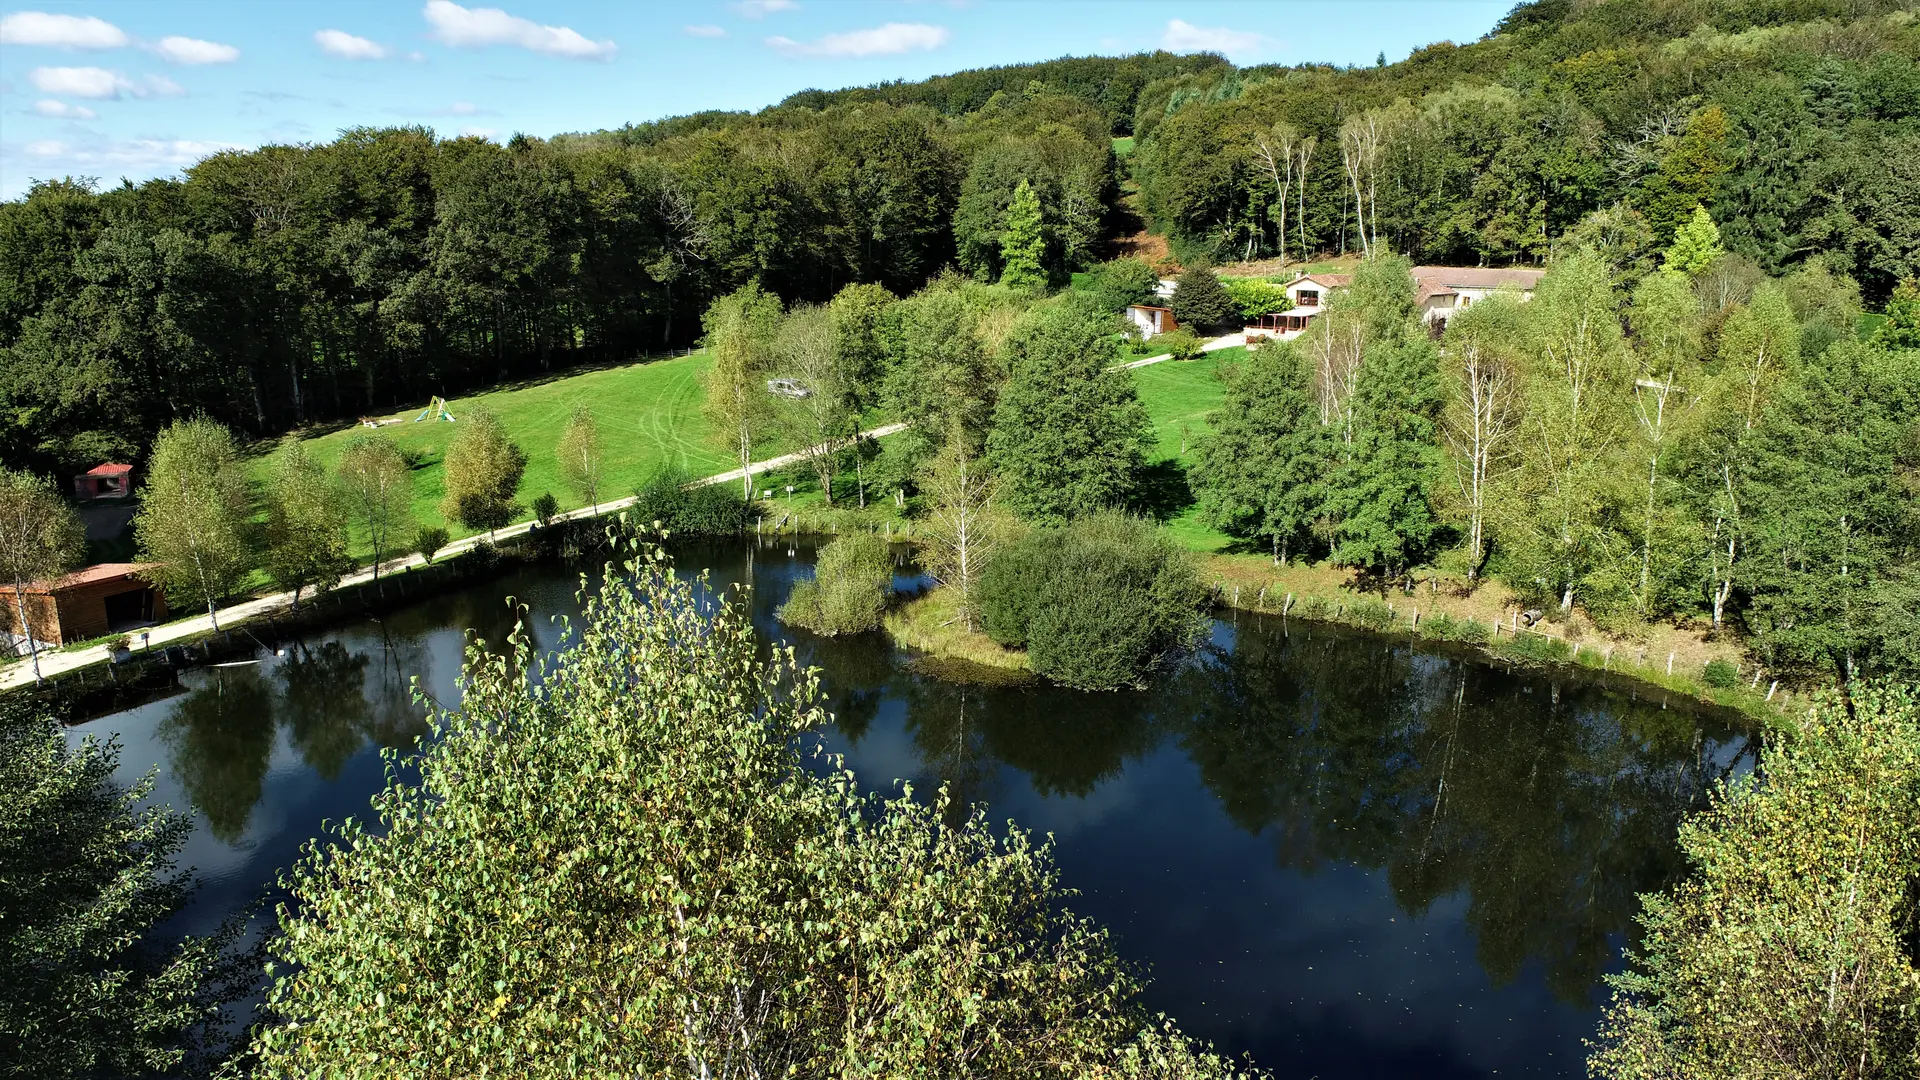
(1178, 396)
(648, 413)
(649, 416)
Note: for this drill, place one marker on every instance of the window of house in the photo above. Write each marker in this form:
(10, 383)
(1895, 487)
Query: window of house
(1309, 297)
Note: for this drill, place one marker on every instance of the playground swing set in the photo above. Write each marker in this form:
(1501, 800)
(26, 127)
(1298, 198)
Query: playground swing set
(435, 410)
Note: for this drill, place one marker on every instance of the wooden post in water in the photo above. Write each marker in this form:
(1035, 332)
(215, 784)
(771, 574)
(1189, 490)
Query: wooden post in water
(1669, 663)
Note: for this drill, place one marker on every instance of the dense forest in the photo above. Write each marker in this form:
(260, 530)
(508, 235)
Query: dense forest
(295, 284)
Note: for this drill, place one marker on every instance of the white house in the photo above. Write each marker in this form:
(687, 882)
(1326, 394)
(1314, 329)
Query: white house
(1309, 293)
(1151, 320)
(1440, 291)
(1444, 290)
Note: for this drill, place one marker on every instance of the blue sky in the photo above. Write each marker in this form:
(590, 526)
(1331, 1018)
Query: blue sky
(138, 88)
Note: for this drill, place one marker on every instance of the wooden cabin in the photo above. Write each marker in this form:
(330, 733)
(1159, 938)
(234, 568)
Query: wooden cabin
(99, 600)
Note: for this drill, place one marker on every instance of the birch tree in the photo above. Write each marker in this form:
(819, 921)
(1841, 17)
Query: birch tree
(579, 455)
(1578, 381)
(807, 350)
(483, 471)
(964, 526)
(1482, 366)
(40, 538)
(1277, 150)
(1666, 330)
(193, 513)
(1759, 348)
(379, 488)
(1362, 146)
(740, 329)
(306, 534)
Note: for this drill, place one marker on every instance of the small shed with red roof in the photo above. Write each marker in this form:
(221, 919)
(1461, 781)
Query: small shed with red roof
(109, 481)
(94, 602)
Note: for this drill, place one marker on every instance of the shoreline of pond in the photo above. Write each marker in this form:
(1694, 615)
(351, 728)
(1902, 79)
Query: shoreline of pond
(100, 688)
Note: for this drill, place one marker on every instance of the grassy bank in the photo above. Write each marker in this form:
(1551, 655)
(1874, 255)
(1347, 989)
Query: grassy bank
(648, 413)
(1179, 395)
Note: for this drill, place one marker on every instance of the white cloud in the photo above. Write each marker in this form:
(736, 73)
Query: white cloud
(99, 84)
(193, 51)
(885, 40)
(60, 31)
(60, 110)
(706, 30)
(760, 9)
(137, 155)
(349, 47)
(473, 28)
(1182, 36)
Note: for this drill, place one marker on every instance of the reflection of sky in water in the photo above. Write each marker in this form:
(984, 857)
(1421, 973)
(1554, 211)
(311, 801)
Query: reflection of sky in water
(1201, 821)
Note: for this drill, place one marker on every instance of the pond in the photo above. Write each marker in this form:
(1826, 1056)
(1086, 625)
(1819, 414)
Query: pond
(1346, 854)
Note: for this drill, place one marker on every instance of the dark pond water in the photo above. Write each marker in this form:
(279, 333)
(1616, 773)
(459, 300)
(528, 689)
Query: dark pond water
(1345, 854)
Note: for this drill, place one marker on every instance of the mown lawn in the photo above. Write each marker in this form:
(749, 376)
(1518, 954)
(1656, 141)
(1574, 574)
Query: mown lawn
(648, 413)
(1178, 396)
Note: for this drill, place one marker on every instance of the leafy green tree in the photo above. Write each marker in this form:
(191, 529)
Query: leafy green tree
(943, 377)
(1261, 474)
(1256, 298)
(1483, 366)
(428, 541)
(675, 826)
(483, 470)
(306, 534)
(1023, 242)
(1200, 301)
(1684, 179)
(852, 583)
(1832, 518)
(1555, 523)
(1787, 951)
(1381, 497)
(1069, 433)
(379, 486)
(40, 538)
(1901, 330)
(1667, 392)
(1759, 347)
(1100, 603)
(90, 982)
(1696, 245)
(740, 329)
(579, 455)
(824, 422)
(859, 314)
(193, 512)
(1120, 283)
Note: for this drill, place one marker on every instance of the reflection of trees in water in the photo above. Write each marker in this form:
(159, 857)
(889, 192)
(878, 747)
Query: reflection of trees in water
(220, 737)
(219, 742)
(396, 719)
(1550, 807)
(323, 702)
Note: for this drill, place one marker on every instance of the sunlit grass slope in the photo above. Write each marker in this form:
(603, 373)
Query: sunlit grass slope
(649, 416)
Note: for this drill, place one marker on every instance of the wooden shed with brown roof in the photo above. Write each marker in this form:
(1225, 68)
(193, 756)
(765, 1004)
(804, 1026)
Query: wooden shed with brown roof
(99, 600)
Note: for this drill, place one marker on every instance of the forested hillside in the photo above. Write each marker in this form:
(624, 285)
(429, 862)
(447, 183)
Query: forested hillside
(296, 284)
(1796, 124)
(299, 284)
